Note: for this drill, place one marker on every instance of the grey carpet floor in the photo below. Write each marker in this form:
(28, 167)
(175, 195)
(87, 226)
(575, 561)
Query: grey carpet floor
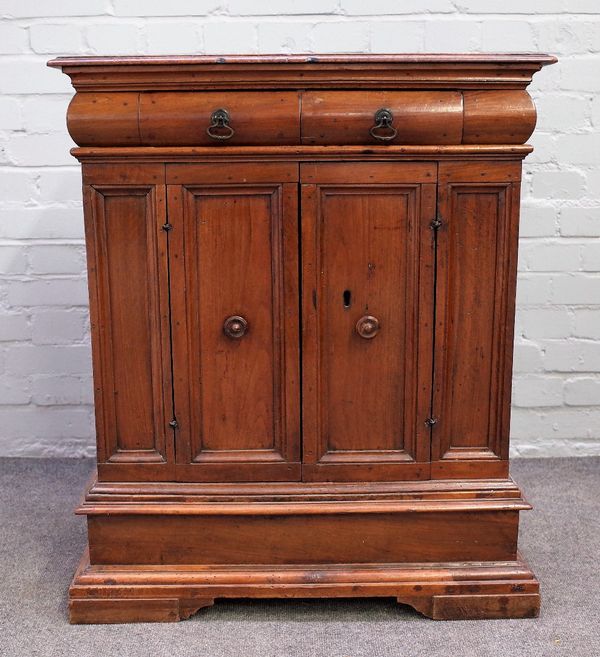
(41, 542)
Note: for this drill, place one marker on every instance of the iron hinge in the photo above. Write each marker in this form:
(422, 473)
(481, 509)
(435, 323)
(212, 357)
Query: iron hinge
(431, 421)
(174, 424)
(167, 227)
(436, 223)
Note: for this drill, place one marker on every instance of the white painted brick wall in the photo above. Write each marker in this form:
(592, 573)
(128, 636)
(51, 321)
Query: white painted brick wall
(45, 384)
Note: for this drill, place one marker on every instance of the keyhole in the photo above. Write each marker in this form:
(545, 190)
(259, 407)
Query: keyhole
(347, 296)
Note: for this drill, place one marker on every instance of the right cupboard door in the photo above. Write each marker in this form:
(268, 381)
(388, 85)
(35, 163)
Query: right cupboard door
(475, 289)
(367, 304)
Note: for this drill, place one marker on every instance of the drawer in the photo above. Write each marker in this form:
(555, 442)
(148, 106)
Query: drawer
(219, 118)
(413, 117)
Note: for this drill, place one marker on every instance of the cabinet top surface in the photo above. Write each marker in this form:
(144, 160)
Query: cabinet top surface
(400, 58)
(393, 71)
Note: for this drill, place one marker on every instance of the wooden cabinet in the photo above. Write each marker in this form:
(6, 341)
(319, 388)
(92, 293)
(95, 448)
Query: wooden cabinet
(302, 276)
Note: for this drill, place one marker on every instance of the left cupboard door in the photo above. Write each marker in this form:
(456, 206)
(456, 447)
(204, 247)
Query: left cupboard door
(128, 274)
(235, 307)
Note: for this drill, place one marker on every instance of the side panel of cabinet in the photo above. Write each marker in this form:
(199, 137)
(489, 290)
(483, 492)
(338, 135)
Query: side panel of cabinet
(367, 252)
(476, 279)
(235, 254)
(129, 308)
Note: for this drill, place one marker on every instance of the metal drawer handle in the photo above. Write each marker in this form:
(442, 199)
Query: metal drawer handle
(368, 327)
(235, 327)
(383, 128)
(220, 121)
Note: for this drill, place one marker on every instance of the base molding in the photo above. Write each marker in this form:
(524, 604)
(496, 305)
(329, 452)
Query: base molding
(442, 591)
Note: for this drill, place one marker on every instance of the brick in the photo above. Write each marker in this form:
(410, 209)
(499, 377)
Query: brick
(545, 323)
(31, 76)
(545, 148)
(587, 324)
(12, 260)
(10, 114)
(41, 223)
(592, 178)
(552, 256)
(386, 36)
(590, 257)
(555, 423)
(341, 37)
(392, 7)
(281, 7)
(580, 149)
(46, 113)
(596, 111)
(62, 390)
(14, 391)
(58, 326)
(230, 38)
(48, 292)
(46, 422)
(554, 448)
(14, 327)
(13, 39)
(56, 259)
(285, 37)
(557, 184)
(121, 38)
(527, 357)
(494, 34)
(573, 289)
(161, 8)
(534, 391)
(56, 38)
(174, 38)
(572, 356)
(541, 221)
(40, 150)
(580, 74)
(16, 186)
(509, 6)
(559, 112)
(533, 289)
(37, 9)
(452, 36)
(582, 392)
(60, 185)
(567, 37)
(580, 222)
(24, 360)
(43, 447)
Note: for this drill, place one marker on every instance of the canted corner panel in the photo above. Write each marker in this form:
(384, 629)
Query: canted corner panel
(476, 275)
(128, 274)
(235, 255)
(367, 252)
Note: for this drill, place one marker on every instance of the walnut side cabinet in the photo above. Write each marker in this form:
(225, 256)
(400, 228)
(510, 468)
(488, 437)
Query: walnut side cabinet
(302, 276)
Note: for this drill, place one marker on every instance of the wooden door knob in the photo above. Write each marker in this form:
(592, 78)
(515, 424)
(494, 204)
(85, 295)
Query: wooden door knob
(235, 327)
(368, 327)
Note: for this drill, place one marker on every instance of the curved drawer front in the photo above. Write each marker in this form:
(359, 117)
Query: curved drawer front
(104, 119)
(182, 118)
(348, 117)
(498, 117)
(275, 118)
(256, 118)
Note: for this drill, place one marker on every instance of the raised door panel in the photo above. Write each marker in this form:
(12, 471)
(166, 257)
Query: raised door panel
(128, 280)
(367, 262)
(236, 380)
(476, 275)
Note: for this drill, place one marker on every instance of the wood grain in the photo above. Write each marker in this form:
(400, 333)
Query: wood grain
(234, 252)
(346, 117)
